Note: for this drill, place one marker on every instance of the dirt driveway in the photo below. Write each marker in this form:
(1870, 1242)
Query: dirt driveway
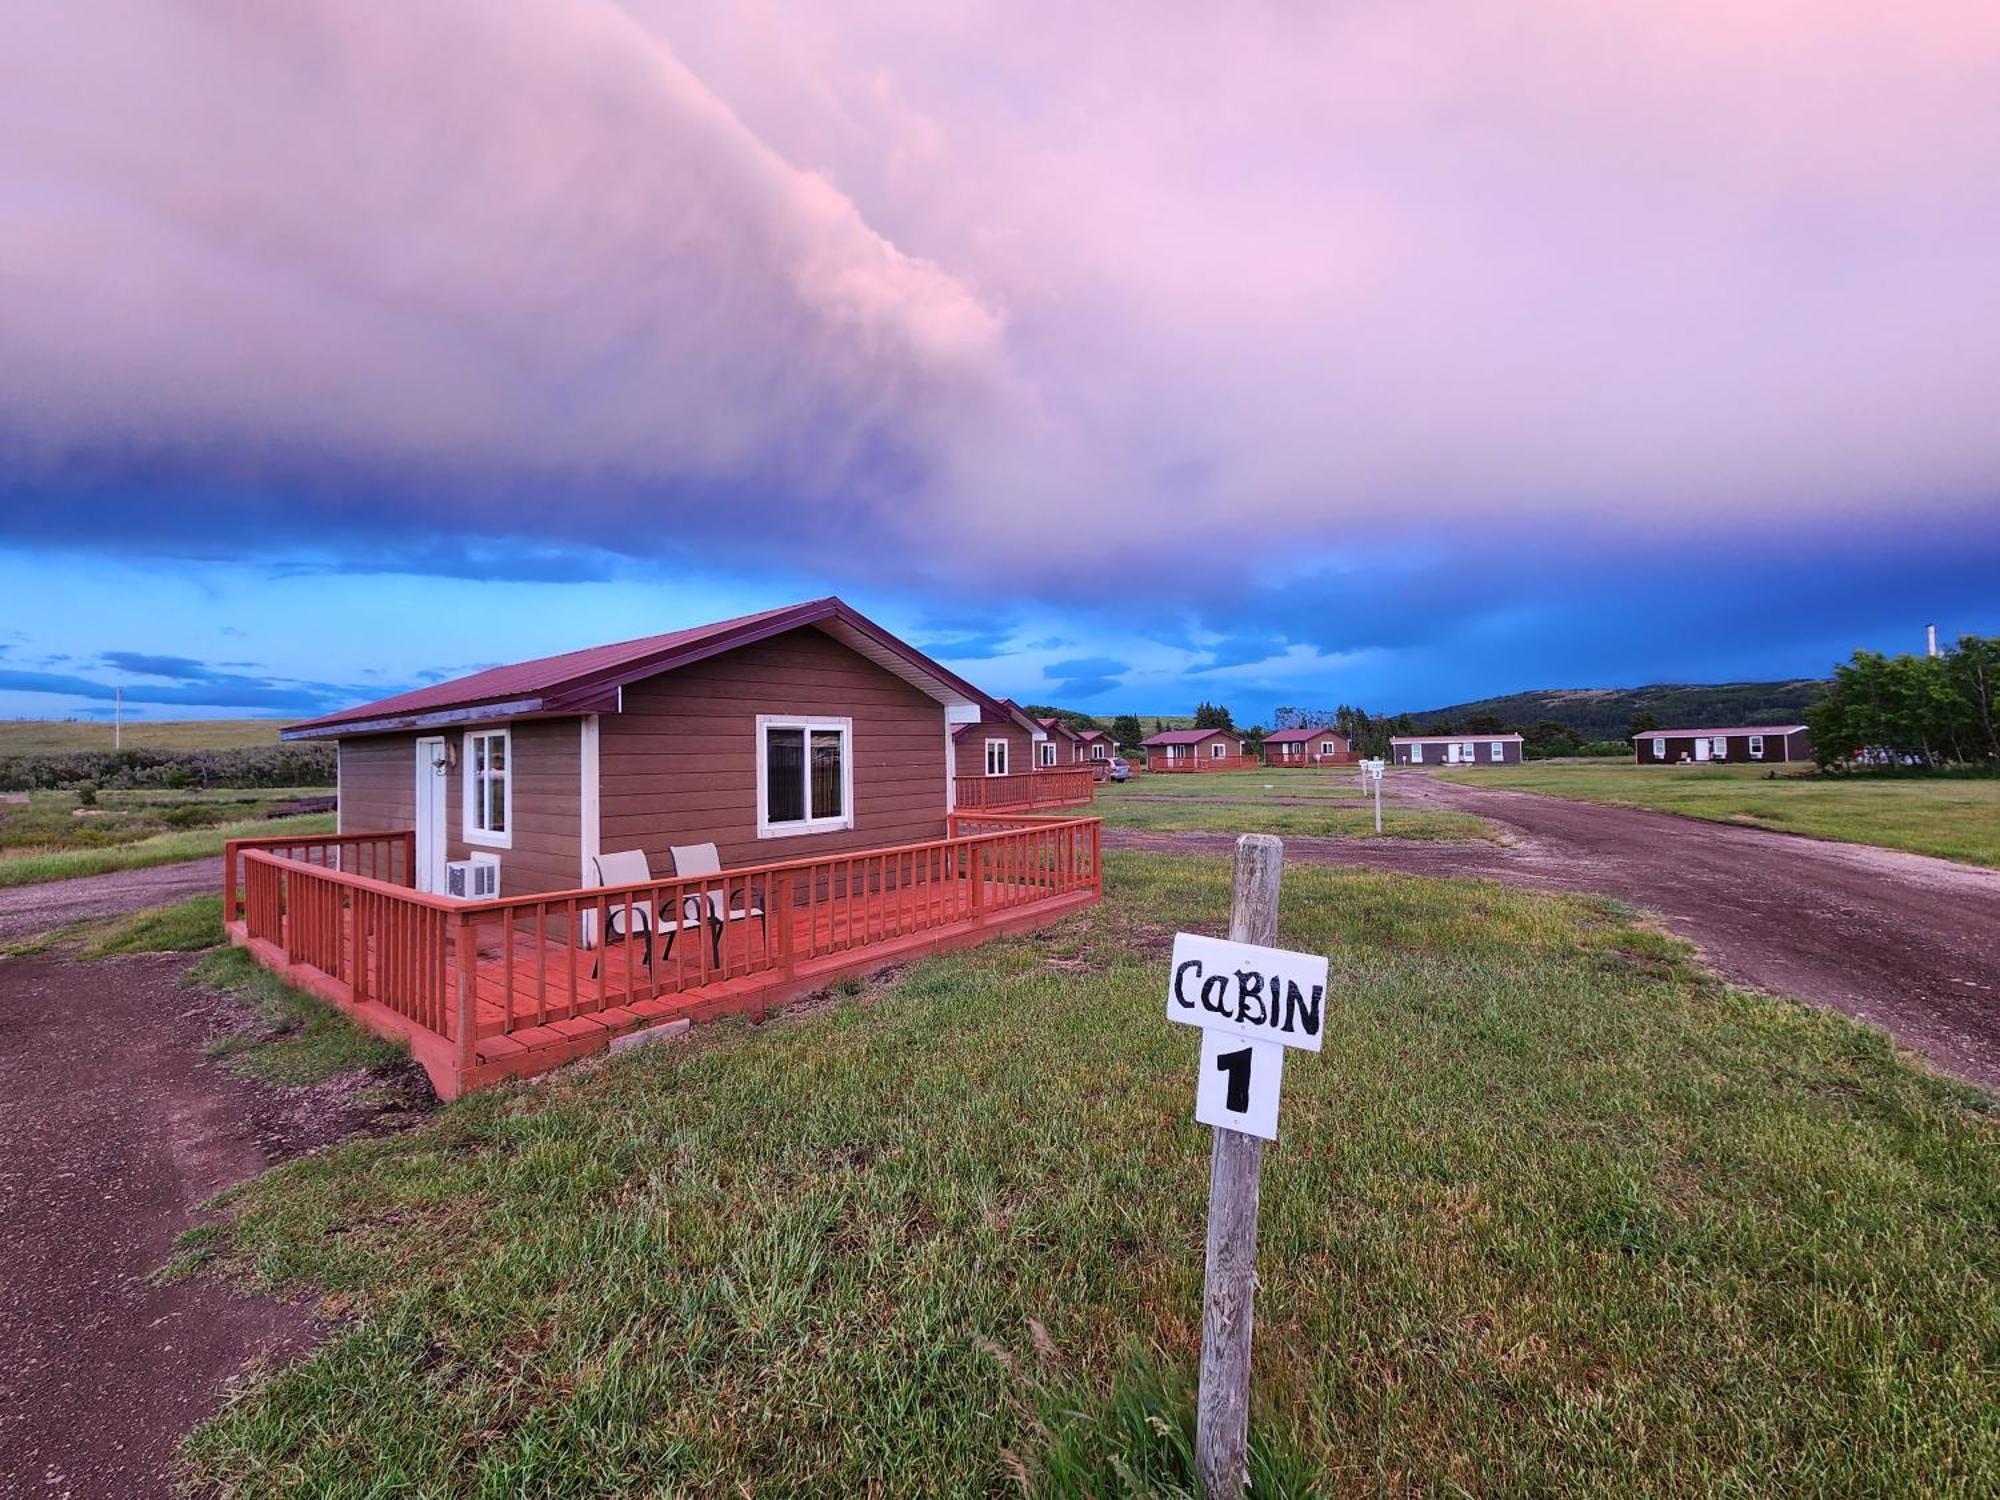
(1904, 942)
(28, 910)
(116, 1129)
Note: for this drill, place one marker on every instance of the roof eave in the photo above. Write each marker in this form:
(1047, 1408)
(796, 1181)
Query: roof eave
(441, 718)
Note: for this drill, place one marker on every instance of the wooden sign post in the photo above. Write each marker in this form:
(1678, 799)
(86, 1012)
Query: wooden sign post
(1252, 1001)
(1372, 769)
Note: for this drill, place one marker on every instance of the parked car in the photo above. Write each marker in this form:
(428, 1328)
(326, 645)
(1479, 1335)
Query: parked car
(1120, 770)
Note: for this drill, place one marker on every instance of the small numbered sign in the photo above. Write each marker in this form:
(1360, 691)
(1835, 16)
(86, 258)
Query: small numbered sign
(1238, 1087)
(1373, 768)
(1251, 1003)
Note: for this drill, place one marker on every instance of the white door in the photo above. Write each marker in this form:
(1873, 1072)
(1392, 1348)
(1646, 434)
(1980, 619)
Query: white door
(1701, 747)
(430, 814)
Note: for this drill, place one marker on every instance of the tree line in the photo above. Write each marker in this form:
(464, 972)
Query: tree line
(1912, 710)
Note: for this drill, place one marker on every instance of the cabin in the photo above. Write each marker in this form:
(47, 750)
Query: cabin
(1306, 747)
(1755, 745)
(1456, 749)
(1062, 745)
(537, 860)
(1198, 750)
(1095, 746)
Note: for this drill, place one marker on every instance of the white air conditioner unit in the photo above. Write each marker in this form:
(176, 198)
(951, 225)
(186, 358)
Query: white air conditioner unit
(474, 879)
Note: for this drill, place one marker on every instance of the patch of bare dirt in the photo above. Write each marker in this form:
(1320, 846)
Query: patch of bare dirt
(118, 1129)
(29, 910)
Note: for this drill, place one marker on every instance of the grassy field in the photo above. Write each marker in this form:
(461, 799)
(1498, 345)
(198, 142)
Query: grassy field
(64, 736)
(1261, 802)
(53, 836)
(1952, 817)
(1554, 1212)
(1252, 785)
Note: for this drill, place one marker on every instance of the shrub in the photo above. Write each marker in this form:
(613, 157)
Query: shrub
(255, 766)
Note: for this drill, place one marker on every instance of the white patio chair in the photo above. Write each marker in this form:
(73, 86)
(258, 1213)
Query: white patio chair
(627, 867)
(722, 904)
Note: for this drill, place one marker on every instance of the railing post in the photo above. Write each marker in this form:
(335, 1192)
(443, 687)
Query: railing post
(976, 857)
(790, 962)
(465, 946)
(231, 909)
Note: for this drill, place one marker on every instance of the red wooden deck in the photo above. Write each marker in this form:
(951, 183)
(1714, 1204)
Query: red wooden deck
(530, 998)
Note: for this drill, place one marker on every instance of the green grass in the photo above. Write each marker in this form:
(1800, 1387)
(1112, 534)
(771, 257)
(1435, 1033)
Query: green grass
(122, 841)
(1953, 817)
(1253, 815)
(66, 736)
(1252, 785)
(1554, 1211)
(295, 1039)
(182, 927)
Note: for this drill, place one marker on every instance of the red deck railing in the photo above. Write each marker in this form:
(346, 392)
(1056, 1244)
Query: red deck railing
(388, 857)
(494, 978)
(1158, 762)
(1047, 786)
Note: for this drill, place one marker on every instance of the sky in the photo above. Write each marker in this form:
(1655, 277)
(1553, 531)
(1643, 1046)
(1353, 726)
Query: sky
(1120, 355)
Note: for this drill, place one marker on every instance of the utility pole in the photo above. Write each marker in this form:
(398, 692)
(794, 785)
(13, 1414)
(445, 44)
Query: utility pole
(118, 719)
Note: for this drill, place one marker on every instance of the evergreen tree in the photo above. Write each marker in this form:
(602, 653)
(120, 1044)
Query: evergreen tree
(1125, 730)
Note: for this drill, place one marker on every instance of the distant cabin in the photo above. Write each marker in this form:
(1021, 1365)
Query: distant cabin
(1095, 745)
(1060, 747)
(1198, 750)
(1742, 746)
(1306, 747)
(1456, 749)
(1002, 741)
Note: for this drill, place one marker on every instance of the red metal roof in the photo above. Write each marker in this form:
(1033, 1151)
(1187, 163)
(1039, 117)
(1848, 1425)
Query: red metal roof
(1668, 734)
(1447, 739)
(587, 680)
(1300, 736)
(1185, 736)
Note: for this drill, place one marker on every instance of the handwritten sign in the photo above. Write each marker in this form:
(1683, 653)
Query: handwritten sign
(1252, 1003)
(1265, 994)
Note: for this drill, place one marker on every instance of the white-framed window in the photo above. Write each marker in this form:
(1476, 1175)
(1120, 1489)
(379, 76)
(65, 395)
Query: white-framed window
(1719, 748)
(1416, 755)
(1659, 747)
(486, 763)
(996, 757)
(1756, 747)
(1217, 750)
(1326, 747)
(1495, 750)
(1098, 752)
(1048, 752)
(805, 775)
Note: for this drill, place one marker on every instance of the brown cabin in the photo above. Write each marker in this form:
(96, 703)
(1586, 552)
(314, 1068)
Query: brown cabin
(1456, 749)
(1754, 745)
(1063, 746)
(521, 870)
(1306, 747)
(1198, 750)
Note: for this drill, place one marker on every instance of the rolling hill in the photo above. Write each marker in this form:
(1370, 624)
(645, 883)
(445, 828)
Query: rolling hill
(1604, 713)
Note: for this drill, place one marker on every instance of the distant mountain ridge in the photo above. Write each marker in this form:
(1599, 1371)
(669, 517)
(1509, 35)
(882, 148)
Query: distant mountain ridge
(1605, 713)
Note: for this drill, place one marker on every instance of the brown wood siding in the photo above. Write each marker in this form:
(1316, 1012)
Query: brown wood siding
(378, 783)
(678, 765)
(378, 777)
(1779, 749)
(971, 750)
(1510, 754)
